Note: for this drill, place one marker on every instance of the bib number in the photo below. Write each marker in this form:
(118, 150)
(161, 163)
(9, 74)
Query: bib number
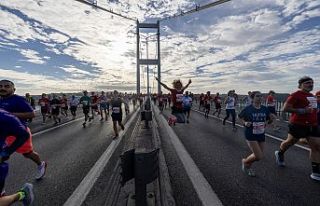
(258, 127)
(312, 102)
(116, 110)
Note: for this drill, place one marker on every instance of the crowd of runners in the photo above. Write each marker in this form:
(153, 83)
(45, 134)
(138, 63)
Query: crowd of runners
(16, 112)
(256, 114)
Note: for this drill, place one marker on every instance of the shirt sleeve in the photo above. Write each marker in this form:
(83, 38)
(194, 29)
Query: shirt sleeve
(11, 126)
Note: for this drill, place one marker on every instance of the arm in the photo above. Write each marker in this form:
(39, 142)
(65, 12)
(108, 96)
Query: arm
(185, 87)
(24, 115)
(165, 86)
(288, 107)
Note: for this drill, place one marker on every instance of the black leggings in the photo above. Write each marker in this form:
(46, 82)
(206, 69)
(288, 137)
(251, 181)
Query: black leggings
(233, 115)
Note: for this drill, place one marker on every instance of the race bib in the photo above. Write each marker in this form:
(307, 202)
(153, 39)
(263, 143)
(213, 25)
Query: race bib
(312, 102)
(53, 107)
(85, 103)
(258, 127)
(116, 110)
(179, 97)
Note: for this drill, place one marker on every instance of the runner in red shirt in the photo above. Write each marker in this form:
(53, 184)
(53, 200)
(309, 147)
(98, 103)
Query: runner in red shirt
(207, 104)
(302, 124)
(217, 101)
(44, 107)
(271, 105)
(176, 96)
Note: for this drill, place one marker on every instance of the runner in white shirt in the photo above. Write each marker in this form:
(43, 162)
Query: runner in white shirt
(230, 102)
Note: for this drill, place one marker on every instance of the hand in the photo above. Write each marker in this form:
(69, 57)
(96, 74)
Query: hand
(190, 81)
(156, 78)
(247, 124)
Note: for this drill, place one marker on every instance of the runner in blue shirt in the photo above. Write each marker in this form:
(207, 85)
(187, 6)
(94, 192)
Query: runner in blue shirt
(186, 104)
(11, 126)
(19, 107)
(254, 118)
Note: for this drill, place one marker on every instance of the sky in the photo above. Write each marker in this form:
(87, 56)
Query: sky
(67, 46)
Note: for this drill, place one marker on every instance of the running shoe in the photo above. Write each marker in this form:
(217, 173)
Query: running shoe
(41, 170)
(27, 191)
(84, 125)
(315, 176)
(247, 170)
(122, 127)
(101, 119)
(279, 159)
(115, 137)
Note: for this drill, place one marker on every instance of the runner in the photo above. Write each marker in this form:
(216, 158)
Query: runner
(302, 124)
(44, 107)
(31, 101)
(201, 101)
(176, 96)
(271, 105)
(247, 100)
(116, 103)
(254, 118)
(55, 109)
(64, 105)
(19, 107)
(165, 101)
(160, 101)
(141, 100)
(217, 102)
(187, 104)
(206, 102)
(103, 106)
(134, 100)
(12, 126)
(85, 100)
(169, 99)
(94, 105)
(126, 101)
(230, 103)
(73, 106)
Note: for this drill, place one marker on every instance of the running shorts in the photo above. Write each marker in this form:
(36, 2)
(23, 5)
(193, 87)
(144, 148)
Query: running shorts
(86, 110)
(116, 117)
(303, 131)
(27, 147)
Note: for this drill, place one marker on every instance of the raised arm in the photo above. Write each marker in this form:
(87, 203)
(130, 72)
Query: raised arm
(165, 86)
(185, 87)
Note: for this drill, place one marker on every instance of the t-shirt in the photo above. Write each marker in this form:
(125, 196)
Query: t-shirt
(207, 99)
(300, 99)
(230, 103)
(186, 101)
(16, 104)
(85, 101)
(271, 102)
(10, 125)
(116, 106)
(176, 97)
(217, 100)
(55, 104)
(257, 117)
(44, 103)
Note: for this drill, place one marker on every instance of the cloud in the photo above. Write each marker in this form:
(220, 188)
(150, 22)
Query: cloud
(32, 56)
